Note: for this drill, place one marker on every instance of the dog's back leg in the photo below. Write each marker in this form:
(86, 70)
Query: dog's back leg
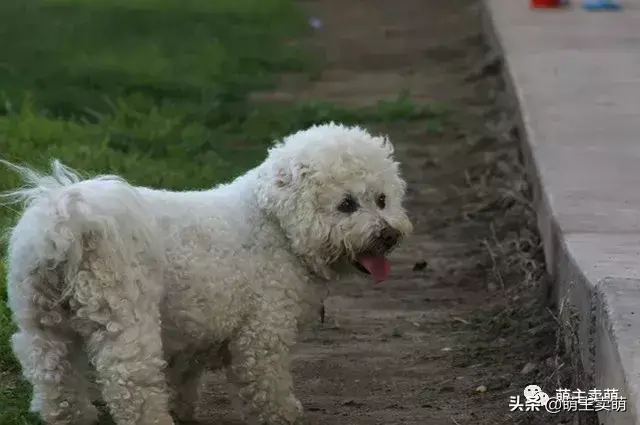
(101, 253)
(184, 376)
(123, 337)
(50, 352)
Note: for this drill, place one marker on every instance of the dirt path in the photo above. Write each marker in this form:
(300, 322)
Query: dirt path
(444, 342)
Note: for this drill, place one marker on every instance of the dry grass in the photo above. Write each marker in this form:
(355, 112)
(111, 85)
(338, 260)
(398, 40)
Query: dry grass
(489, 210)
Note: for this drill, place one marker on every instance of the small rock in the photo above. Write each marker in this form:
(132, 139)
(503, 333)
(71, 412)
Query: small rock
(447, 389)
(394, 406)
(420, 265)
(501, 341)
(481, 389)
(315, 23)
(353, 403)
(446, 349)
(528, 368)
(461, 320)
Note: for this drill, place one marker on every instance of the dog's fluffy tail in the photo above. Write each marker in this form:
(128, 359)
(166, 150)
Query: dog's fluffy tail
(66, 216)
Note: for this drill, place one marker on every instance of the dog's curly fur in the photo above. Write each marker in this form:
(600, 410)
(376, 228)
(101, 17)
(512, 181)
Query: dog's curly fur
(148, 288)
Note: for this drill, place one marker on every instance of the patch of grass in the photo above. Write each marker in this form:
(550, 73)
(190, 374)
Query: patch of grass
(73, 53)
(154, 90)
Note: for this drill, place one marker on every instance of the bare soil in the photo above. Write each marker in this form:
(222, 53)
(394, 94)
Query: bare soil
(463, 324)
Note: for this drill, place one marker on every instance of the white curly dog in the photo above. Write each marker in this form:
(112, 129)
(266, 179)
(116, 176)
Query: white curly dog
(144, 289)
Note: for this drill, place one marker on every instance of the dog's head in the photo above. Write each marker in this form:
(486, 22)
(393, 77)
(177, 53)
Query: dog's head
(337, 193)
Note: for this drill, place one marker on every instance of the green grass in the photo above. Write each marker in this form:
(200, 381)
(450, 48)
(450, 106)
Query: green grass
(154, 90)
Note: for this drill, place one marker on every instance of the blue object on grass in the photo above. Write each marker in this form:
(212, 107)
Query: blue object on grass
(600, 5)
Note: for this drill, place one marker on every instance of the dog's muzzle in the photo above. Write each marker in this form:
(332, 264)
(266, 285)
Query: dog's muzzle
(389, 238)
(383, 242)
(373, 259)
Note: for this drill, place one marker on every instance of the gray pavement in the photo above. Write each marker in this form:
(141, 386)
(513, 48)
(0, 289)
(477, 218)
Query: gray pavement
(576, 76)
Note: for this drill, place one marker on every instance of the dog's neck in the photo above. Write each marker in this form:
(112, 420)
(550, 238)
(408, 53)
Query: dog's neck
(312, 263)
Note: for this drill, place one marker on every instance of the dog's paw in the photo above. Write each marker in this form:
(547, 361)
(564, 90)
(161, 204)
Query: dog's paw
(165, 420)
(90, 415)
(184, 413)
(290, 413)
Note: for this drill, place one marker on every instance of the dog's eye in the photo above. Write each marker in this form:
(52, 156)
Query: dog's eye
(348, 205)
(381, 202)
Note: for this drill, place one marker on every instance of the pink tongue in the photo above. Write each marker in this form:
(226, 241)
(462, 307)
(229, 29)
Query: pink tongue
(378, 266)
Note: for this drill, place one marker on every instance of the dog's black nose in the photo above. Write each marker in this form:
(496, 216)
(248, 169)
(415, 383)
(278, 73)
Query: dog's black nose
(389, 236)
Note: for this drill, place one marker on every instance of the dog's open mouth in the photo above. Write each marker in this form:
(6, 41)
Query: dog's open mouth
(375, 265)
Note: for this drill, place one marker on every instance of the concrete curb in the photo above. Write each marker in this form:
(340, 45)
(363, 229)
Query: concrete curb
(590, 229)
(616, 355)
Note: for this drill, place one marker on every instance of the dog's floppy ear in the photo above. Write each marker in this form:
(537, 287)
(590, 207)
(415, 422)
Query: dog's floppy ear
(290, 175)
(386, 145)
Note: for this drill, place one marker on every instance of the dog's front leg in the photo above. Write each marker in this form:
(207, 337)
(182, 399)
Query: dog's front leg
(261, 371)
